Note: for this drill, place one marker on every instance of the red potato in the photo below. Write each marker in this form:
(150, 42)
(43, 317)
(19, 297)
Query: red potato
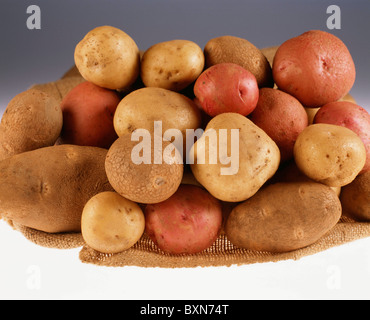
(351, 116)
(282, 117)
(188, 222)
(226, 87)
(88, 112)
(315, 67)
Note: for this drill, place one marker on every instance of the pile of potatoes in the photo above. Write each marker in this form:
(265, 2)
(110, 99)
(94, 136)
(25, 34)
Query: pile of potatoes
(297, 153)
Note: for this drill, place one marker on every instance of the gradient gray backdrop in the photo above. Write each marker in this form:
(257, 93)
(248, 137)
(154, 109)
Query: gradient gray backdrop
(37, 56)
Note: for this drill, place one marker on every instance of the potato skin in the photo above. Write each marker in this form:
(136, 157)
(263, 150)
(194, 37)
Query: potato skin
(32, 120)
(88, 112)
(46, 189)
(108, 57)
(258, 154)
(188, 222)
(240, 51)
(111, 223)
(172, 65)
(355, 198)
(226, 87)
(142, 183)
(351, 116)
(140, 108)
(284, 217)
(330, 154)
(282, 117)
(316, 67)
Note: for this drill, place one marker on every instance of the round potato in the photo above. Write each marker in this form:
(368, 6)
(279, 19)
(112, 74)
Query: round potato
(351, 116)
(233, 158)
(172, 65)
(282, 117)
(137, 173)
(230, 49)
(111, 223)
(33, 119)
(315, 67)
(188, 222)
(88, 112)
(330, 154)
(284, 217)
(108, 57)
(226, 87)
(355, 198)
(141, 108)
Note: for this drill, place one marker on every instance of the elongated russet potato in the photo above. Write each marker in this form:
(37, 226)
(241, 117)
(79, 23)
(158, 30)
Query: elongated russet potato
(284, 217)
(47, 189)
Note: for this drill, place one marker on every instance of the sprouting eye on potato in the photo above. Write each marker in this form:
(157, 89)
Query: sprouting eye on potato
(278, 149)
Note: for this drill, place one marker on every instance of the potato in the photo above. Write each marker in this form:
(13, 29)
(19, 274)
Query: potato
(188, 222)
(111, 223)
(47, 189)
(311, 113)
(351, 116)
(239, 51)
(237, 170)
(284, 217)
(330, 154)
(88, 112)
(226, 87)
(32, 120)
(315, 67)
(108, 57)
(136, 173)
(282, 117)
(269, 53)
(141, 108)
(355, 198)
(172, 65)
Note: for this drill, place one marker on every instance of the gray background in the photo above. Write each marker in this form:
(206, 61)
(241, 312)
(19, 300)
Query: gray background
(37, 56)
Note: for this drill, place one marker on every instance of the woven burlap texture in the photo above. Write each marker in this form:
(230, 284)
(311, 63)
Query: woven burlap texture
(222, 253)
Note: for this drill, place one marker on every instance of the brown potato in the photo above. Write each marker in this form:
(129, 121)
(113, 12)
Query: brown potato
(284, 217)
(239, 51)
(355, 198)
(330, 154)
(144, 180)
(47, 189)
(253, 158)
(32, 120)
(111, 223)
(172, 65)
(108, 57)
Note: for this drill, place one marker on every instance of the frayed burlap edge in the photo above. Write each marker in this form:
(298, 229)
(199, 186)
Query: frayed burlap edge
(222, 253)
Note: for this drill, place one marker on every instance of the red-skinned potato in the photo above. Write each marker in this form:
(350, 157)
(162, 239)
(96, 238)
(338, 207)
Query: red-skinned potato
(88, 112)
(351, 116)
(315, 67)
(188, 222)
(226, 87)
(282, 117)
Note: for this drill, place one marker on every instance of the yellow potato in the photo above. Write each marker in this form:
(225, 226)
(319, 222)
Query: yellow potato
(330, 154)
(111, 223)
(172, 65)
(141, 108)
(253, 158)
(108, 57)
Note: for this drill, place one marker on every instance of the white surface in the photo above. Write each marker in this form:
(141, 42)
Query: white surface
(28, 271)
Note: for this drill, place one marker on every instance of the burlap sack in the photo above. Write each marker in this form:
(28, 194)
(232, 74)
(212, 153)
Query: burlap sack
(221, 253)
